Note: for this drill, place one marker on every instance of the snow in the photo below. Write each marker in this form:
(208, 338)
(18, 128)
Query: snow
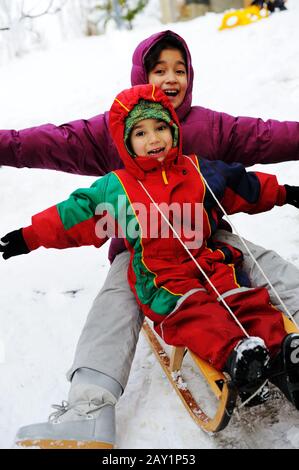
(251, 70)
(249, 343)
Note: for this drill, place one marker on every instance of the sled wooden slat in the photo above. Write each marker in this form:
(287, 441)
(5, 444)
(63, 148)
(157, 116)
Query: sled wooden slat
(176, 358)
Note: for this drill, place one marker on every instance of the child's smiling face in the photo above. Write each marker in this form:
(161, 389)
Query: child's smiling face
(151, 138)
(170, 74)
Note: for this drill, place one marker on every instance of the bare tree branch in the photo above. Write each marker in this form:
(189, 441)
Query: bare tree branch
(45, 12)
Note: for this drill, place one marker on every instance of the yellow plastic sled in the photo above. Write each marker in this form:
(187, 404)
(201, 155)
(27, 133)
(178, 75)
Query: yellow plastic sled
(243, 17)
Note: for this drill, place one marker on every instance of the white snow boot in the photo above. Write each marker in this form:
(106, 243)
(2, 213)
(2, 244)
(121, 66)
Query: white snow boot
(85, 421)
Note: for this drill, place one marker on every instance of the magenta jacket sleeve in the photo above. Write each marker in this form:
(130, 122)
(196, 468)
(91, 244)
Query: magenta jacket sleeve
(250, 140)
(220, 136)
(85, 146)
(81, 147)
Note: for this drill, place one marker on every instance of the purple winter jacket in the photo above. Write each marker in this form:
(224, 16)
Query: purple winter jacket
(85, 146)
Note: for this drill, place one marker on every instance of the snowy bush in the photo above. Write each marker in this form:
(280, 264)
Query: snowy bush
(30, 24)
(120, 13)
(22, 25)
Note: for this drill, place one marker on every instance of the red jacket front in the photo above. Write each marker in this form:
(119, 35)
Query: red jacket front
(160, 270)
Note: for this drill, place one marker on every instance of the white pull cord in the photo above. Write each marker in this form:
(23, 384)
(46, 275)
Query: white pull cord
(247, 249)
(194, 260)
(257, 392)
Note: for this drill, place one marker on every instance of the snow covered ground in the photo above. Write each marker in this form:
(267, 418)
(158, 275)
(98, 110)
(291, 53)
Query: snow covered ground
(252, 70)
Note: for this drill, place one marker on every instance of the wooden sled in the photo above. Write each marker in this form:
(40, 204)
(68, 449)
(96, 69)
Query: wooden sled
(218, 382)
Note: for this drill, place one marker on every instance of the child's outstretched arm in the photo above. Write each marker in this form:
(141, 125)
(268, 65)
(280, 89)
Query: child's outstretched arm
(70, 223)
(257, 192)
(252, 192)
(82, 147)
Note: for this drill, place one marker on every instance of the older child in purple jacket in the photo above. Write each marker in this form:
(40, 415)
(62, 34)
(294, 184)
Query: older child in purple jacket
(106, 347)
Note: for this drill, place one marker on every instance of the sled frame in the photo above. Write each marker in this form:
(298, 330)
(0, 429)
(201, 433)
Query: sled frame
(225, 393)
(219, 384)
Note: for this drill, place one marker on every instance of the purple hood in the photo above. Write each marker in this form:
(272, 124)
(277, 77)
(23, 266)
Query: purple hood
(138, 72)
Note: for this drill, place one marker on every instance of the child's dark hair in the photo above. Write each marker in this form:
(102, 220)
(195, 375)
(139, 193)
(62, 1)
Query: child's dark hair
(168, 42)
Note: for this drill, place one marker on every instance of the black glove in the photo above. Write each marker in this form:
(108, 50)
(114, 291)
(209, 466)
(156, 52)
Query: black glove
(292, 196)
(13, 244)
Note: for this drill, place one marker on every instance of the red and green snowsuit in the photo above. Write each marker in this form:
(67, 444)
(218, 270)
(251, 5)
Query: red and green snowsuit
(168, 286)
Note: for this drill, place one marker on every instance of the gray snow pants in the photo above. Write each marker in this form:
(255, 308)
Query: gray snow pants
(109, 337)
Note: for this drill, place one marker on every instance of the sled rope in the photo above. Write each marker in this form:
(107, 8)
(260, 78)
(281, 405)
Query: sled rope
(241, 405)
(193, 259)
(248, 250)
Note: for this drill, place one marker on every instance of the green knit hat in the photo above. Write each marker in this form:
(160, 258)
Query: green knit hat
(149, 110)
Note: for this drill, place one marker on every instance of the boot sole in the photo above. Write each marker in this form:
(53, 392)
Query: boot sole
(64, 444)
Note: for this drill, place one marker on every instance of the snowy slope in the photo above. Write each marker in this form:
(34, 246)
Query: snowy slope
(45, 296)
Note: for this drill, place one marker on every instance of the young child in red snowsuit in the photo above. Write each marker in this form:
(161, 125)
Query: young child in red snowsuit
(169, 287)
